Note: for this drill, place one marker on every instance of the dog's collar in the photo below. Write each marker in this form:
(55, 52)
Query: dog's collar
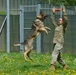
(40, 19)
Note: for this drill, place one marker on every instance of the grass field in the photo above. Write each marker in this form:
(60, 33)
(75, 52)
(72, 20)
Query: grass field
(14, 64)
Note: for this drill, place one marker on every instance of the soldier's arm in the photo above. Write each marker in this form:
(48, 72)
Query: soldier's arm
(64, 19)
(64, 16)
(53, 19)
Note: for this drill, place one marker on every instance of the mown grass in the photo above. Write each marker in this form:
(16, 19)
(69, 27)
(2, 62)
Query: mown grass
(14, 64)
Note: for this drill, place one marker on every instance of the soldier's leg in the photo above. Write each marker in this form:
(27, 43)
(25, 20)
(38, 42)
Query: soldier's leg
(60, 60)
(55, 54)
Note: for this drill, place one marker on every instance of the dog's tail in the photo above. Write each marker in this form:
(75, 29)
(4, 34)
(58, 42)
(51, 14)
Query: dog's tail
(17, 44)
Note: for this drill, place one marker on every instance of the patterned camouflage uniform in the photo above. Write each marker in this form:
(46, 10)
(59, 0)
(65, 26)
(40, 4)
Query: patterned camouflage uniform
(58, 39)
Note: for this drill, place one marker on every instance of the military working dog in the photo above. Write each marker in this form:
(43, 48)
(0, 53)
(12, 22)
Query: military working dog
(36, 28)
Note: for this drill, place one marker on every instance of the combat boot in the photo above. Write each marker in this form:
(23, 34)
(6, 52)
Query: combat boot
(65, 67)
(52, 68)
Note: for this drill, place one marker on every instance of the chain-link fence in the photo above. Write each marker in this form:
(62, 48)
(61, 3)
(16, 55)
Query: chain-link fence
(46, 40)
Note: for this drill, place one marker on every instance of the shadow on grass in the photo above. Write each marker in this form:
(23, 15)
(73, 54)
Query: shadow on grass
(31, 67)
(34, 66)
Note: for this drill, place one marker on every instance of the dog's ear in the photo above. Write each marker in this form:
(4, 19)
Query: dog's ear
(43, 14)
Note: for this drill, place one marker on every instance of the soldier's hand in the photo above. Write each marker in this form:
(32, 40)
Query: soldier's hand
(63, 8)
(53, 10)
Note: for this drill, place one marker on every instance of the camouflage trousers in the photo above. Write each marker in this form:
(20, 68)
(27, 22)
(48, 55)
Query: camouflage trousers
(56, 54)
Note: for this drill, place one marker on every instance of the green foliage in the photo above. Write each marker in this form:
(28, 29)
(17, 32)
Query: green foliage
(58, 2)
(71, 2)
(14, 64)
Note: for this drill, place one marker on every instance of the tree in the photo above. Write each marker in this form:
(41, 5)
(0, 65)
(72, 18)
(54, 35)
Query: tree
(58, 2)
(71, 2)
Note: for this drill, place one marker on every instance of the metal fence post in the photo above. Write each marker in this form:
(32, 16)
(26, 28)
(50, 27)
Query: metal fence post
(21, 27)
(38, 41)
(8, 28)
(75, 10)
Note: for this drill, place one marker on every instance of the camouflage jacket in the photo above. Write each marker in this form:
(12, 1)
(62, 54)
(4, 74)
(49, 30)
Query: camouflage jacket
(59, 29)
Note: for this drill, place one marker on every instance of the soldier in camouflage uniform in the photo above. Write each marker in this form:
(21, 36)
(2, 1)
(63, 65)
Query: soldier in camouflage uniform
(58, 39)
